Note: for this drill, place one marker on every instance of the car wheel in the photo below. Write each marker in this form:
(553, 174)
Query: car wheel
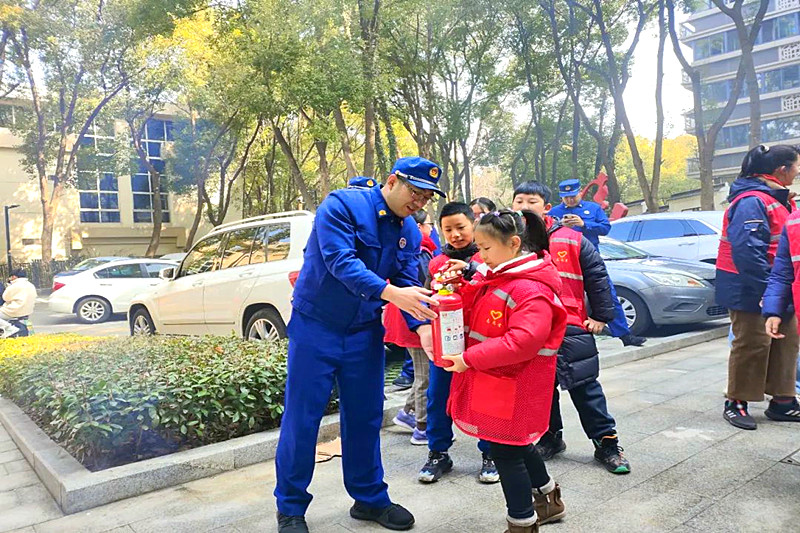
(142, 323)
(93, 310)
(265, 325)
(636, 312)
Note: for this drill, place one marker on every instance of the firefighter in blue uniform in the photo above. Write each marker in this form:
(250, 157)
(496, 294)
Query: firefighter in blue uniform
(360, 238)
(590, 219)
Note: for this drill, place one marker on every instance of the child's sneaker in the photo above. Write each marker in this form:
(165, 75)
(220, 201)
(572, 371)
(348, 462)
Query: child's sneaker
(550, 445)
(419, 438)
(735, 412)
(405, 420)
(788, 412)
(549, 507)
(438, 464)
(9, 331)
(608, 451)
(488, 471)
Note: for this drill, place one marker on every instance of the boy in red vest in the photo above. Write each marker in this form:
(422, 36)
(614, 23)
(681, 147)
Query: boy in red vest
(582, 271)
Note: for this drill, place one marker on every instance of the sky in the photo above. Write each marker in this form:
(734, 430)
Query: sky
(640, 93)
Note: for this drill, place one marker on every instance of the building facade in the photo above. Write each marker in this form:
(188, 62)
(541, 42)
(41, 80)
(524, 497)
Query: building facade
(716, 51)
(107, 212)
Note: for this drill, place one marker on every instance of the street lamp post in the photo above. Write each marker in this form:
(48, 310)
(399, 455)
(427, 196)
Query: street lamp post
(6, 209)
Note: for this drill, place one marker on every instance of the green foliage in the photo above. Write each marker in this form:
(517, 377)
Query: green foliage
(114, 401)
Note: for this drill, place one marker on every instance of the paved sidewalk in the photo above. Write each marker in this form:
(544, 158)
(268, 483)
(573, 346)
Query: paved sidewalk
(691, 472)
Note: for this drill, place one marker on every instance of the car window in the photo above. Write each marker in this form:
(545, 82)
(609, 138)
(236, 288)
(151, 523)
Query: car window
(204, 257)
(238, 247)
(700, 228)
(153, 269)
(272, 243)
(621, 231)
(611, 251)
(120, 271)
(661, 229)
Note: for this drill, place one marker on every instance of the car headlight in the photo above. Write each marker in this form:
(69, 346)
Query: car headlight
(674, 280)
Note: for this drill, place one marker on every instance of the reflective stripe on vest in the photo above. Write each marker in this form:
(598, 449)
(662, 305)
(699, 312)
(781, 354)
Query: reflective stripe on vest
(793, 233)
(777, 215)
(565, 251)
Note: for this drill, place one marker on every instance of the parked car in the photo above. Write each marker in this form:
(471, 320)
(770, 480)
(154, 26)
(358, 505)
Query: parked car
(237, 279)
(86, 264)
(94, 294)
(685, 235)
(177, 256)
(660, 290)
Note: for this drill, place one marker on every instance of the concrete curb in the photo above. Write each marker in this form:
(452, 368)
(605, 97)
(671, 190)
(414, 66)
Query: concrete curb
(75, 488)
(656, 346)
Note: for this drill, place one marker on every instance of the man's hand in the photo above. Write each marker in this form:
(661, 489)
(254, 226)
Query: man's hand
(773, 323)
(411, 300)
(593, 326)
(458, 363)
(572, 221)
(425, 333)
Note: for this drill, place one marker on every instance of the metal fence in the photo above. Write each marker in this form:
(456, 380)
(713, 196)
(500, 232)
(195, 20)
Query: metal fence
(40, 273)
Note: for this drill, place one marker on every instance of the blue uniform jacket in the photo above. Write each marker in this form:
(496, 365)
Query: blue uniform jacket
(356, 245)
(778, 295)
(749, 235)
(594, 218)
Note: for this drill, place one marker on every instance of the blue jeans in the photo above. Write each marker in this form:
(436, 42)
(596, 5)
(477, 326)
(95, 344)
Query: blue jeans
(590, 402)
(619, 326)
(440, 425)
(408, 367)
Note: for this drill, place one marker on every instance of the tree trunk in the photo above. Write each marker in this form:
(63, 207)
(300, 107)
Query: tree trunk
(659, 142)
(324, 171)
(368, 20)
(294, 168)
(576, 136)
(198, 215)
(347, 152)
(158, 214)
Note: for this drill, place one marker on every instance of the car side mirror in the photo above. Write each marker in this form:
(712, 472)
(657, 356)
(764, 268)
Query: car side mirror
(167, 273)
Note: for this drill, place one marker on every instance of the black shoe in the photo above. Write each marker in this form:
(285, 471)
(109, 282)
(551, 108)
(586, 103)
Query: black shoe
(291, 524)
(632, 340)
(736, 413)
(608, 451)
(789, 412)
(550, 445)
(438, 464)
(488, 473)
(403, 382)
(394, 517)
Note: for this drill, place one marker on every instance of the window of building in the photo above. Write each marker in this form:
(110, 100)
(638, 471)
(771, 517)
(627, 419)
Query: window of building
(97, 185)
(774, 130)
(156, 132)
(771, 30)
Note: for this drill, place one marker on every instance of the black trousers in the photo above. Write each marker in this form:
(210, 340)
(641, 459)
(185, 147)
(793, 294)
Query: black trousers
(521, 469)
(590, 402)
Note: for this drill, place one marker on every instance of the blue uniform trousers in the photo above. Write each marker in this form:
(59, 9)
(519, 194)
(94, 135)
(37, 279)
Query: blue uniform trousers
(619, 326)
(440, 425)
(408, 367)
(318, 355)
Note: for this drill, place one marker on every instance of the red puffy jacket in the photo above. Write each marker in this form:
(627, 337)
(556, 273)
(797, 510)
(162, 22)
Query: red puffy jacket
(516, 324)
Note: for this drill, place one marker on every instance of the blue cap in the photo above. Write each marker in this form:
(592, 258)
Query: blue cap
(361, 182)
(419, 172)
(569, 188)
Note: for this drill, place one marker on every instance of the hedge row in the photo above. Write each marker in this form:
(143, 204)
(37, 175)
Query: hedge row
(118, 400)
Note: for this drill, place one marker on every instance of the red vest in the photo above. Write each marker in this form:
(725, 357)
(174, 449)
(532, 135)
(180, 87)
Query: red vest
(776, 214)
(565, 250)
(793, 232)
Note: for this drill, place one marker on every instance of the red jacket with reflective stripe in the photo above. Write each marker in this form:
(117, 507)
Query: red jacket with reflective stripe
(516, 324)
(565, 250)
(777, 215)
(793, 234)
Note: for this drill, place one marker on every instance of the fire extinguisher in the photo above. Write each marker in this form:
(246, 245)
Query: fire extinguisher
(448, 327)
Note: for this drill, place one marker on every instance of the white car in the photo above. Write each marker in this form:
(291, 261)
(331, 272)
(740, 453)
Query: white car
(95, 293)
(685, 235)
(238, 279)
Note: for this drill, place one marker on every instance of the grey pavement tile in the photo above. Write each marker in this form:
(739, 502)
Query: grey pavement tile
(697, 363)
(594, 480)
(770, 441)
(33, 494)
(642, 508)
(697, 401)
(659, 374)
(28, 514)
(634, 401)
(13, 467)
(3, 470)
(7, 446)
(767, 503)
(651, 420)
(712, 473)
(122, 529)
(678, 443)
(26, 529)
(17, 480)
(4, 436)
(683, 384)
(11, 455)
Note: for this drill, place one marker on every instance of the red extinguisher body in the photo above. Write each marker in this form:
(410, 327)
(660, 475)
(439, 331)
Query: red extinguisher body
(448, 328)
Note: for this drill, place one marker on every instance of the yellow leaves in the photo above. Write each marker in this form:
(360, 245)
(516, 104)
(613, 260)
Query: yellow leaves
(35, 344)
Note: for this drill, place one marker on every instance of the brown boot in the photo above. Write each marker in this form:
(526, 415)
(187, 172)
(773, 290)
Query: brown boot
(549, 507)
(513, 528)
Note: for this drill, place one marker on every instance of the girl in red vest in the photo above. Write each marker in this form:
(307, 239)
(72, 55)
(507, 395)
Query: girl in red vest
(504, 383)
(760, 203)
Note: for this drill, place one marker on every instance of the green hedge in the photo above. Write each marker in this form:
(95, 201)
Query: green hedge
(114, 401)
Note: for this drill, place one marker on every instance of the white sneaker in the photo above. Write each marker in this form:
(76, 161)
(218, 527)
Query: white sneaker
(12, 330)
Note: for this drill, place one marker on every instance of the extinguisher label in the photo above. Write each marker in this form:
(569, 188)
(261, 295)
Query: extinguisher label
(452, 323)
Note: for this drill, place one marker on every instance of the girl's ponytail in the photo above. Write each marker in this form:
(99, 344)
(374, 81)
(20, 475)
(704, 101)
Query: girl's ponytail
(535, 238)
(526, 225)
(767, 159)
